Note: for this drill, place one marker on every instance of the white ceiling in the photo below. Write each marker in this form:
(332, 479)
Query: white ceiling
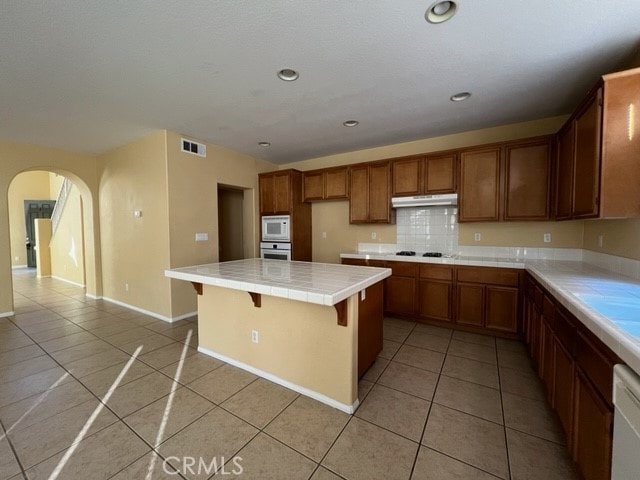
(91, 75)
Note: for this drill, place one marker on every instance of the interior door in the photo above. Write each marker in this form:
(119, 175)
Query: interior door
(35, 209)
(230, 224)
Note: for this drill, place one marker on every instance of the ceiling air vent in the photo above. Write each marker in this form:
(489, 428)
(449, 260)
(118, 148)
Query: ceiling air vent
(193, 147)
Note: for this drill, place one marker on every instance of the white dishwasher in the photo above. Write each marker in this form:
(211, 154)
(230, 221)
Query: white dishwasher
(625, 464)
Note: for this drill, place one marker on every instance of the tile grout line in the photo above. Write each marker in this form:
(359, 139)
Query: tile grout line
(504, 421)
(13, 450)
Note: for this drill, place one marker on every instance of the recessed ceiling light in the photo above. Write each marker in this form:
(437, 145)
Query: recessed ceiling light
(459, 97)
(440, 11)
(288, 75)
(351, 123)
(264, 144)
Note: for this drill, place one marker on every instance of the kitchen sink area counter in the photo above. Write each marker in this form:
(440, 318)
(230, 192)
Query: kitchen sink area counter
(312, 327)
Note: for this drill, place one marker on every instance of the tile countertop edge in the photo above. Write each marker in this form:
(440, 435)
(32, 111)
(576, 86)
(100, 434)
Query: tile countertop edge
(627, 348)
(464, 261)
(321, 299)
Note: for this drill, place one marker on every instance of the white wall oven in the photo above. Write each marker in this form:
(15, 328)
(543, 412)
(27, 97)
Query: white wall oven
(275, 251)
(276, 228)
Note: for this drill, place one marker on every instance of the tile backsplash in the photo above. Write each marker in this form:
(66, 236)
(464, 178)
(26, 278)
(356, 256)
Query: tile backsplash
(433, 229)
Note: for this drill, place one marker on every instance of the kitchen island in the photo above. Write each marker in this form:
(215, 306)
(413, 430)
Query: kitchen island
(311, 327)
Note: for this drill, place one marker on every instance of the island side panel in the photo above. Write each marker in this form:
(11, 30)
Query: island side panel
(370, 316)
(298, 342)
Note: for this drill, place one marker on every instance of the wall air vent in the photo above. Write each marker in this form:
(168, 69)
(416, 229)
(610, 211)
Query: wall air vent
(193, 147)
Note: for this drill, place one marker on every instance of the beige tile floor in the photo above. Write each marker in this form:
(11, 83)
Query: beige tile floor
(437, 404)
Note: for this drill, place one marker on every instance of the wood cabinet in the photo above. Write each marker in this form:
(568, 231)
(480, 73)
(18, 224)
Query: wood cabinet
(401, 289)
(370, 199)
(586, 181)
(326, 184)
(527, 187)
(424, 175)
(488, 297)
(598, 172)
(581, 376)
(435, 294)
(280, 193)
(276, 191)
(479, 185)
(370, 326)
(565, 151)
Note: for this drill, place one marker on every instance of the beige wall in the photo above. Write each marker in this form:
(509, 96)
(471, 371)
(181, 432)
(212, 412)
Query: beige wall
(16, 158)
(135, 251)
(25, 186)
(333, 217)
(193, 207)
(299, 342)
(67, 243)
(619, 237)
(43, 253)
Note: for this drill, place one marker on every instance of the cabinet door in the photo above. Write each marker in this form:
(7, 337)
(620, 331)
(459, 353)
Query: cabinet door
(527, 181)
(435, 300)
(440, 174)
(502, 309)
(359, 200)
(336, 183)
(400, 295)
(313, 186)
(592, 431)
(545, 368)
(479, 185)
(566, 144)
(586, 178)
(536, 334)
(282, 192)
(379, 193)
(563, 384)
(354, 261)
(406, 177)
(470, 304)
(267, 197)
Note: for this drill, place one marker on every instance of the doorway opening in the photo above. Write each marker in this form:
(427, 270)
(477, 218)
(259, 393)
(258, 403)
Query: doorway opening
(230, 223)
(46, 226)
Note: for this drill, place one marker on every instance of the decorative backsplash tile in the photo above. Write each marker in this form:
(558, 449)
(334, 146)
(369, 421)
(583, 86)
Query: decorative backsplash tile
(433, 229)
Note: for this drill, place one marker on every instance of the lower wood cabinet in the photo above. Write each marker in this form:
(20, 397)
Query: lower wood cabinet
(400, 296)
(470, 304)
(502, 308)
(435, 300)
(577, 370)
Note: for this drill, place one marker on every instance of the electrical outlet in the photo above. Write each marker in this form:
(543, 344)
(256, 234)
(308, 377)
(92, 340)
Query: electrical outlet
(324, 234)
(547, 238)
(374, 235)
(137, 213)
(363, 295)
(254, 336)
(202, 237)
(600, 240)
(477, 236)
(126, 287)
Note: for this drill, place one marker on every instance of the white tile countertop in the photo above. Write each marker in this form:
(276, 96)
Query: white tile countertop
(321, 283)
(606, 302)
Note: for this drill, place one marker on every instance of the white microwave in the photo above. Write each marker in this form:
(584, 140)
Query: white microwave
(276, 228)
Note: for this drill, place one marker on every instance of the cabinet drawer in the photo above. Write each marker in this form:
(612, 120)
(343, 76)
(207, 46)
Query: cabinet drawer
(436, 272)
(354, 261)
(403, 269)
(492, 276)
(377, 263)
(596, 361)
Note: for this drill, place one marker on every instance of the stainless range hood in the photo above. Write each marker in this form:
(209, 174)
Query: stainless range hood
(444, 200)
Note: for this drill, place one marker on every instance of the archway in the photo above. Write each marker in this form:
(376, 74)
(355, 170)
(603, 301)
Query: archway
(79, 169)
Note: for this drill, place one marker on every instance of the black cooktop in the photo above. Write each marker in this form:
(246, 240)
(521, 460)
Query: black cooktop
(406, 253)
(432, 254)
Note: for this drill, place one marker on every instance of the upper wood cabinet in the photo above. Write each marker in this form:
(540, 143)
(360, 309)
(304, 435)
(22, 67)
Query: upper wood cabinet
(277, 190)
(586, 180)
(598, 149)
(479, 185)
(527, 180)
(326, 184)
(424, 175)
(370, 199)
(510, 181)
(565, 152)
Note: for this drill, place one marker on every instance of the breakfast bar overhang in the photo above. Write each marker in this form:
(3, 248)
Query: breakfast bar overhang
(312, 327)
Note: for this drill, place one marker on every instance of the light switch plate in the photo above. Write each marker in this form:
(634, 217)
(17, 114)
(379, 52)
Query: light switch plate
(477, 236)
(547, 238)
(202, 237)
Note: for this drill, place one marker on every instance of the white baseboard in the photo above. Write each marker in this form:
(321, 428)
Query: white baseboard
(43, 276)
(18, 267)
(6, 314)
(81, 285)
(285, 383)
(148, 312)
(93, 297)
